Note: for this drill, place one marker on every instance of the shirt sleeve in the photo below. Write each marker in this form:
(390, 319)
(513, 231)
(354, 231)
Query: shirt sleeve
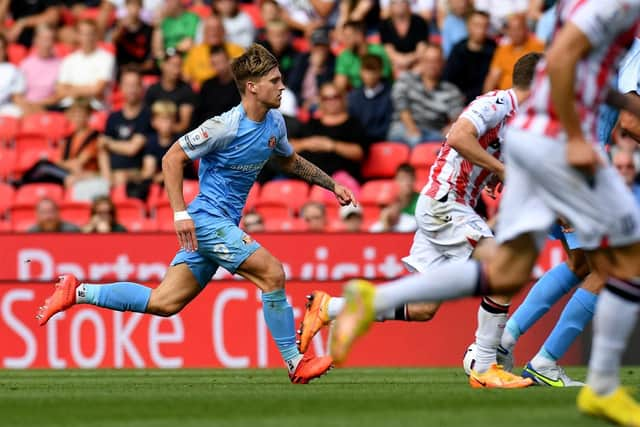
(283, 148)
(18, 84)
(485, 112)
(107, 68)
(212, 135)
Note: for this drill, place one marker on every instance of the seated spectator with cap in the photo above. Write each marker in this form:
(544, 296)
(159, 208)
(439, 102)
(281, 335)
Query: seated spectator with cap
(314, 215)
(40, 70)
(371, 104)
(48, 219)
(219, 93)
(87, 72)
(197, 66)
(253, 223)
(352, 218)
(172, 88)
(104, 217)
(336, 141)
(78, 151)
(312, 70)
(121, 147)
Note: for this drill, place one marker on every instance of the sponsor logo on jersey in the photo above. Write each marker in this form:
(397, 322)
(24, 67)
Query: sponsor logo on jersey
(272, 141)
(246, 239)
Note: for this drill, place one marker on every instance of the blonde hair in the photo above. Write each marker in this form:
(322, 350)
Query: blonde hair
(254, 63)
(164, 107)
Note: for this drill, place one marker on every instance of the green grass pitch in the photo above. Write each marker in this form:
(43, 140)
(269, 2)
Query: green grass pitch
(345, 397)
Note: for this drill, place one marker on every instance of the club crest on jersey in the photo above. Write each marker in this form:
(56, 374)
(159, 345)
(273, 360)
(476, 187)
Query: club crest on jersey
(272, 141)
(246, 239)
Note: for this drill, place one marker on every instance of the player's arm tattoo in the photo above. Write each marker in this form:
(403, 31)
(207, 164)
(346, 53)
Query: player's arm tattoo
(302, 168)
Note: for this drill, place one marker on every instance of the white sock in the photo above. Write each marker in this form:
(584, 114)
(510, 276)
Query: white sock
(292, 364)
(446, 282)
(336, 304)
(490, 326)
(613, 322)
(542, 360)
(82, 296)
(508, 341)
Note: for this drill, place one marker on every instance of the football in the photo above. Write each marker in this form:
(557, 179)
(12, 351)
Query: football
(469, 359)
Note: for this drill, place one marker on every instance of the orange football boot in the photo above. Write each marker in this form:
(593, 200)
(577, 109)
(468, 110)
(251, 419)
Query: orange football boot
(316, 316)
(497, 377)
(310, 367)
(62, 298)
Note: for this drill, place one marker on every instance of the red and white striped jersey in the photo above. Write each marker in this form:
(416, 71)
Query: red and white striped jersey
(454, 176)
(610, 27)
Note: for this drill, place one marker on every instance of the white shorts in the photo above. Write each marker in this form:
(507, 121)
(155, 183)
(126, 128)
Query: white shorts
(446, 231)
(540, 187)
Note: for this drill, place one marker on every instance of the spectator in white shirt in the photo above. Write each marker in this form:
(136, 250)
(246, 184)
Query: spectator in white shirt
(88, 71)
(11, 83)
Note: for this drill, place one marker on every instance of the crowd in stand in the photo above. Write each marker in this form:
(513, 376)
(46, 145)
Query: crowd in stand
(127, 77)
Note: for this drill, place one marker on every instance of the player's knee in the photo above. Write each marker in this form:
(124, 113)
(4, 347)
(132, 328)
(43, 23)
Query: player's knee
(509, 282)
(162, 306)
(422, 312)
(274, 278)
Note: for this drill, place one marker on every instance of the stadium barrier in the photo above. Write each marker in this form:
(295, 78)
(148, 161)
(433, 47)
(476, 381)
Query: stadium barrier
(223, 327)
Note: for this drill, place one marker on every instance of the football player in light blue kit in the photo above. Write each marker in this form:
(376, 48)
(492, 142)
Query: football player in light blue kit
(232, 149)
(560, 280)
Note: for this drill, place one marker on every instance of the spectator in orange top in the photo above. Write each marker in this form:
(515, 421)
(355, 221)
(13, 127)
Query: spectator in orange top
(519, 42)
(197, 67)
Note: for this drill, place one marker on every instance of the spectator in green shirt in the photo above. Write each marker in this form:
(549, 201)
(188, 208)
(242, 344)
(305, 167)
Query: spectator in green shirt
(177, 29)
(349, 61)
(407, 195)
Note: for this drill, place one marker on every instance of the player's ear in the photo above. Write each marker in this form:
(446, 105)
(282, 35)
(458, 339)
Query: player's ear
(251, 87)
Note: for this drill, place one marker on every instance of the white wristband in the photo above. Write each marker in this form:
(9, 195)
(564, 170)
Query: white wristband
(181, 216)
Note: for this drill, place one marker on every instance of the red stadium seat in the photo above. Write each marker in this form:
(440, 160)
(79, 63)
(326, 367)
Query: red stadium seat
(9, 128)
(119, 193)
(252, 198)
(30, 194)
(384, 158)
(98, 120)
(491, 203)
(370, 214)
(139, 225)
(326, 197)
(51, 125)
(285, 224)
(424, 155)
(422, 177)
(61, 50)
(31, 149)
(129, 210)
(5, 226)
(22, 216)
(289, 192)
(253, 11)
(202, 10)
(78, 213)
(379, 192)
(16, 53)
(8, 158)
(271, 211)
(7, 195)
(108, 46)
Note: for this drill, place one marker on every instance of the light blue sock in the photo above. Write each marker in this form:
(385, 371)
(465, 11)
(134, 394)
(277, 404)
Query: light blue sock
(544, 293)
(121, 296)
(575, 316)
(278, 315)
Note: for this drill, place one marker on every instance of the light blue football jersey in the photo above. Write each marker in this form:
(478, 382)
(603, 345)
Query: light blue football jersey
(232, 150)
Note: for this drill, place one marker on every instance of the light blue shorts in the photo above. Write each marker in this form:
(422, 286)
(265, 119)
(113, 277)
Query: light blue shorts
(220, 244)
(571, 238)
